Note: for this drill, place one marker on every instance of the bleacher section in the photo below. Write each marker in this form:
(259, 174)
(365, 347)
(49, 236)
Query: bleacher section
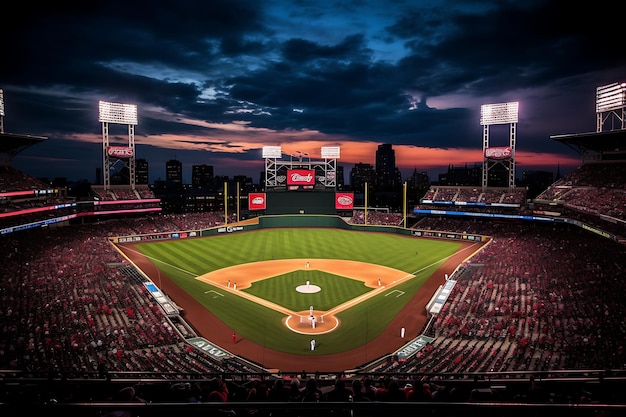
(543, 301)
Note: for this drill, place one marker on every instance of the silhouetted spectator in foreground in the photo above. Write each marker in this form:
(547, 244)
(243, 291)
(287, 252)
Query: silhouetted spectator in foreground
(358, 394)
(295, 395)
(339, 392)
(278, 391)
(215, 391)
(311, 391)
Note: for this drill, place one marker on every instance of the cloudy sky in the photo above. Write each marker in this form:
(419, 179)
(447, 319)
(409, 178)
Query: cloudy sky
(214, 81)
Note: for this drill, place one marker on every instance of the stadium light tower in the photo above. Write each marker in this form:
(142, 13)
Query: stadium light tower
(330, 154)
(118, 114)
(271, 154)
(611, 105)
(498, 114)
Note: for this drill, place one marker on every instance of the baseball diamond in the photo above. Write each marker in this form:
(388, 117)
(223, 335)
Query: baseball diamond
(325, 321)
(216, 322)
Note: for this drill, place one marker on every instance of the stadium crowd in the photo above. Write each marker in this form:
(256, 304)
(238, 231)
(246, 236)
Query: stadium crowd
(537, 298)
(469, 194)
(595, 192)
(71, 302)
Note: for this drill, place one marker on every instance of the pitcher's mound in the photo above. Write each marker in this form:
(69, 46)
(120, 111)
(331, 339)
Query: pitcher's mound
(308, 289)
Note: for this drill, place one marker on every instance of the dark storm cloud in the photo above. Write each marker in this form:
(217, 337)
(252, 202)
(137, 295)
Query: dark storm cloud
(508, 47)
(392, 74)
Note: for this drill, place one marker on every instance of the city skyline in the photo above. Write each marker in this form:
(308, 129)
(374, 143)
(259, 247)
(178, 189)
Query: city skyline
(214, 83)
(187, 171)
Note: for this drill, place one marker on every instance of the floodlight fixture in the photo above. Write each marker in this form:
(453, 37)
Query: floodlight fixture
(124, 114)
(610, 97)
(500, 113)
(330, 152)
(272, 152)
(1, 103)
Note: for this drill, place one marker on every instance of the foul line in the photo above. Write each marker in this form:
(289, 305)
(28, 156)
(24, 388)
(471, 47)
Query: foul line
(290, 313)
(375, 292)
(157, 260)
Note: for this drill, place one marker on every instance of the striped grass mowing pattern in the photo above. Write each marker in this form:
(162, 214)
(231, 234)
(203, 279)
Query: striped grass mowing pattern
(183, 260)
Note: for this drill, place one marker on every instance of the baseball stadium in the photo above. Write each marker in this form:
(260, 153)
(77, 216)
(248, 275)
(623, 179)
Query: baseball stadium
(475, 300)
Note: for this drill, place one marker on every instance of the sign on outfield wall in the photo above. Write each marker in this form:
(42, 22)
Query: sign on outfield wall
(300, 177)
(257, 201)
(344, 201)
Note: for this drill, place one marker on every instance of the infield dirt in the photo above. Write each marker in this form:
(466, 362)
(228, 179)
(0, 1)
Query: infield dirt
(413, 317)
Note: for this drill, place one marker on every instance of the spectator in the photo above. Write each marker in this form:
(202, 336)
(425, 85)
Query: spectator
(295, 395)
(278, 391)
(358, 393)
(382, 389)
(421, 392)
(126, 394)
(257, 391)
(369, 390)
(311, 391)
(339, 392)
(393, 392)
(215, 391)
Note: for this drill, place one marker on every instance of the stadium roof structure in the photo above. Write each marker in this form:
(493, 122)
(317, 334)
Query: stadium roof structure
(11, 144)
(609, 145)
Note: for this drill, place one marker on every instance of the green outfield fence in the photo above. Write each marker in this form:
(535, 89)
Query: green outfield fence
(309, 220)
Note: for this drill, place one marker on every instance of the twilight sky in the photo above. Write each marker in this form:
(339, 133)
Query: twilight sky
(216, 80)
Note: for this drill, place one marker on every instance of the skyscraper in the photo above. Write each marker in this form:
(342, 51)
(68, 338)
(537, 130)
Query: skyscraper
(202, 176)
(174, 171)
(362, 173)
(142, 173)
(388, 176)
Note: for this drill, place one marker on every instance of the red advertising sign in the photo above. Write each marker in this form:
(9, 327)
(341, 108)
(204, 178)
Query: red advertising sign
(344, 201)
(256, 201)
(300, 177)
(120, 151)
(503, 152)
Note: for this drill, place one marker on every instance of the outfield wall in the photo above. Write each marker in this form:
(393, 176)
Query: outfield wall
(303, 220)
(298, 220)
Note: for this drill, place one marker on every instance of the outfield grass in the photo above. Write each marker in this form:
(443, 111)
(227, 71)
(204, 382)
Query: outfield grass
(183, 260)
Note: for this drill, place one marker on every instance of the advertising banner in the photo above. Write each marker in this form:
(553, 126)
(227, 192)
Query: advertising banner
(344, 201)
(300, 177)
(120, 151)
(502, 152)
(257, 201)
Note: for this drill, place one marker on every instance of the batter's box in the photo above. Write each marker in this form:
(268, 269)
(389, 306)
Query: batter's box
(217, 294)
(398, 293)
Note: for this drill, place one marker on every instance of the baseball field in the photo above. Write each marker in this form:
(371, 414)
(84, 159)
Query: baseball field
(278, 289)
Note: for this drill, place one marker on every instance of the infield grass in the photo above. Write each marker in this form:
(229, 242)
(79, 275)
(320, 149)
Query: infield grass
(335, 290)
(183, 260)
